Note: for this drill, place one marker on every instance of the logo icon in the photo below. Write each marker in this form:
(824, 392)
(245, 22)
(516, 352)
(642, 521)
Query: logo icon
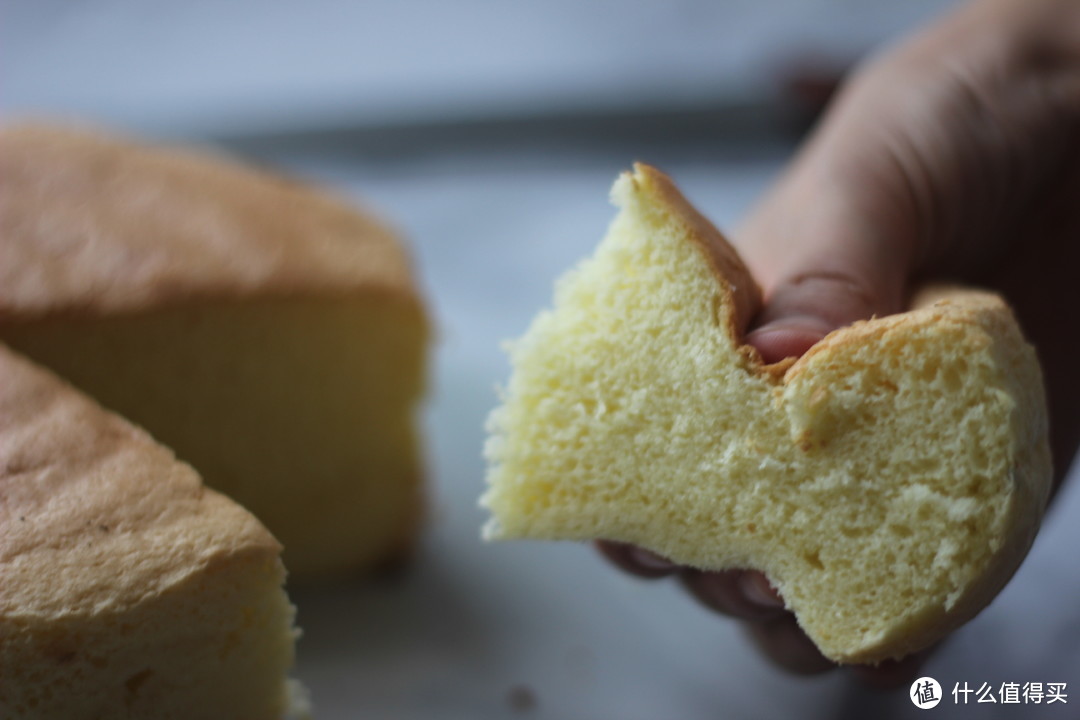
(925, 693)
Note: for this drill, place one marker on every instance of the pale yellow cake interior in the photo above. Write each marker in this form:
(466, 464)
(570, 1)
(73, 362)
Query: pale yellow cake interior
(875, 484)
(302, 410)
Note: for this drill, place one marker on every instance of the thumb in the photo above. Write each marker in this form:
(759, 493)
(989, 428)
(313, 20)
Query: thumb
(824, 260)
(805, 306)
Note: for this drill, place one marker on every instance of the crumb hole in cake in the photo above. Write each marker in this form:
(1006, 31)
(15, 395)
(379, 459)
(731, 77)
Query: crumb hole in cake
(976, 484)
(65, 657)
(951, 377)
(813, 559)
(717, 311)
(136, 681)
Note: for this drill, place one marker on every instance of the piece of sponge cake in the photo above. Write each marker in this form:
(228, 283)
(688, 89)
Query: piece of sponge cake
(127, 588)
(889, 482)
(271, 335)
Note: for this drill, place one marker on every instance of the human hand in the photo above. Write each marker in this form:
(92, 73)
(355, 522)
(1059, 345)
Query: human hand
(954, 155)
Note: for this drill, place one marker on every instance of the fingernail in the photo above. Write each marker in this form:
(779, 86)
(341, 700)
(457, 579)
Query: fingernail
(756, 588)
(808, 323)
(649, 560)
(788, 337)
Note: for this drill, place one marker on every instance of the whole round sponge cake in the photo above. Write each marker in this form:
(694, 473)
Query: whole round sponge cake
(889, 482)
(270, 334)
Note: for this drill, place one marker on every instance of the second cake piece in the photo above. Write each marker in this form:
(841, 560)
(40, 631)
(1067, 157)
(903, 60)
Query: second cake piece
(127, 588)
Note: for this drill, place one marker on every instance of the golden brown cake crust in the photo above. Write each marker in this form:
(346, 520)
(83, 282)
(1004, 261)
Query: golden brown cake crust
(96, 517)
(735, 280)
(96, 225)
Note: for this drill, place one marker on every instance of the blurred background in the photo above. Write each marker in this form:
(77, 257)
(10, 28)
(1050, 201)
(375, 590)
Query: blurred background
(488, 133)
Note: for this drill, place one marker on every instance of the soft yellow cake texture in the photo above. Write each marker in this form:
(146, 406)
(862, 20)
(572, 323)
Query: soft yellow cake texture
(128, 590)
(272, 336)
(889, 482)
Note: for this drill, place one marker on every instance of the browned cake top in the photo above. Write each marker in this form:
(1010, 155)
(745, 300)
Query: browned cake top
(94, 515)
(92, 224)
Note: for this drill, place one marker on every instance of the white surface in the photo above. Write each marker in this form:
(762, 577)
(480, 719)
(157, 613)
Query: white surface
(471, 621)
